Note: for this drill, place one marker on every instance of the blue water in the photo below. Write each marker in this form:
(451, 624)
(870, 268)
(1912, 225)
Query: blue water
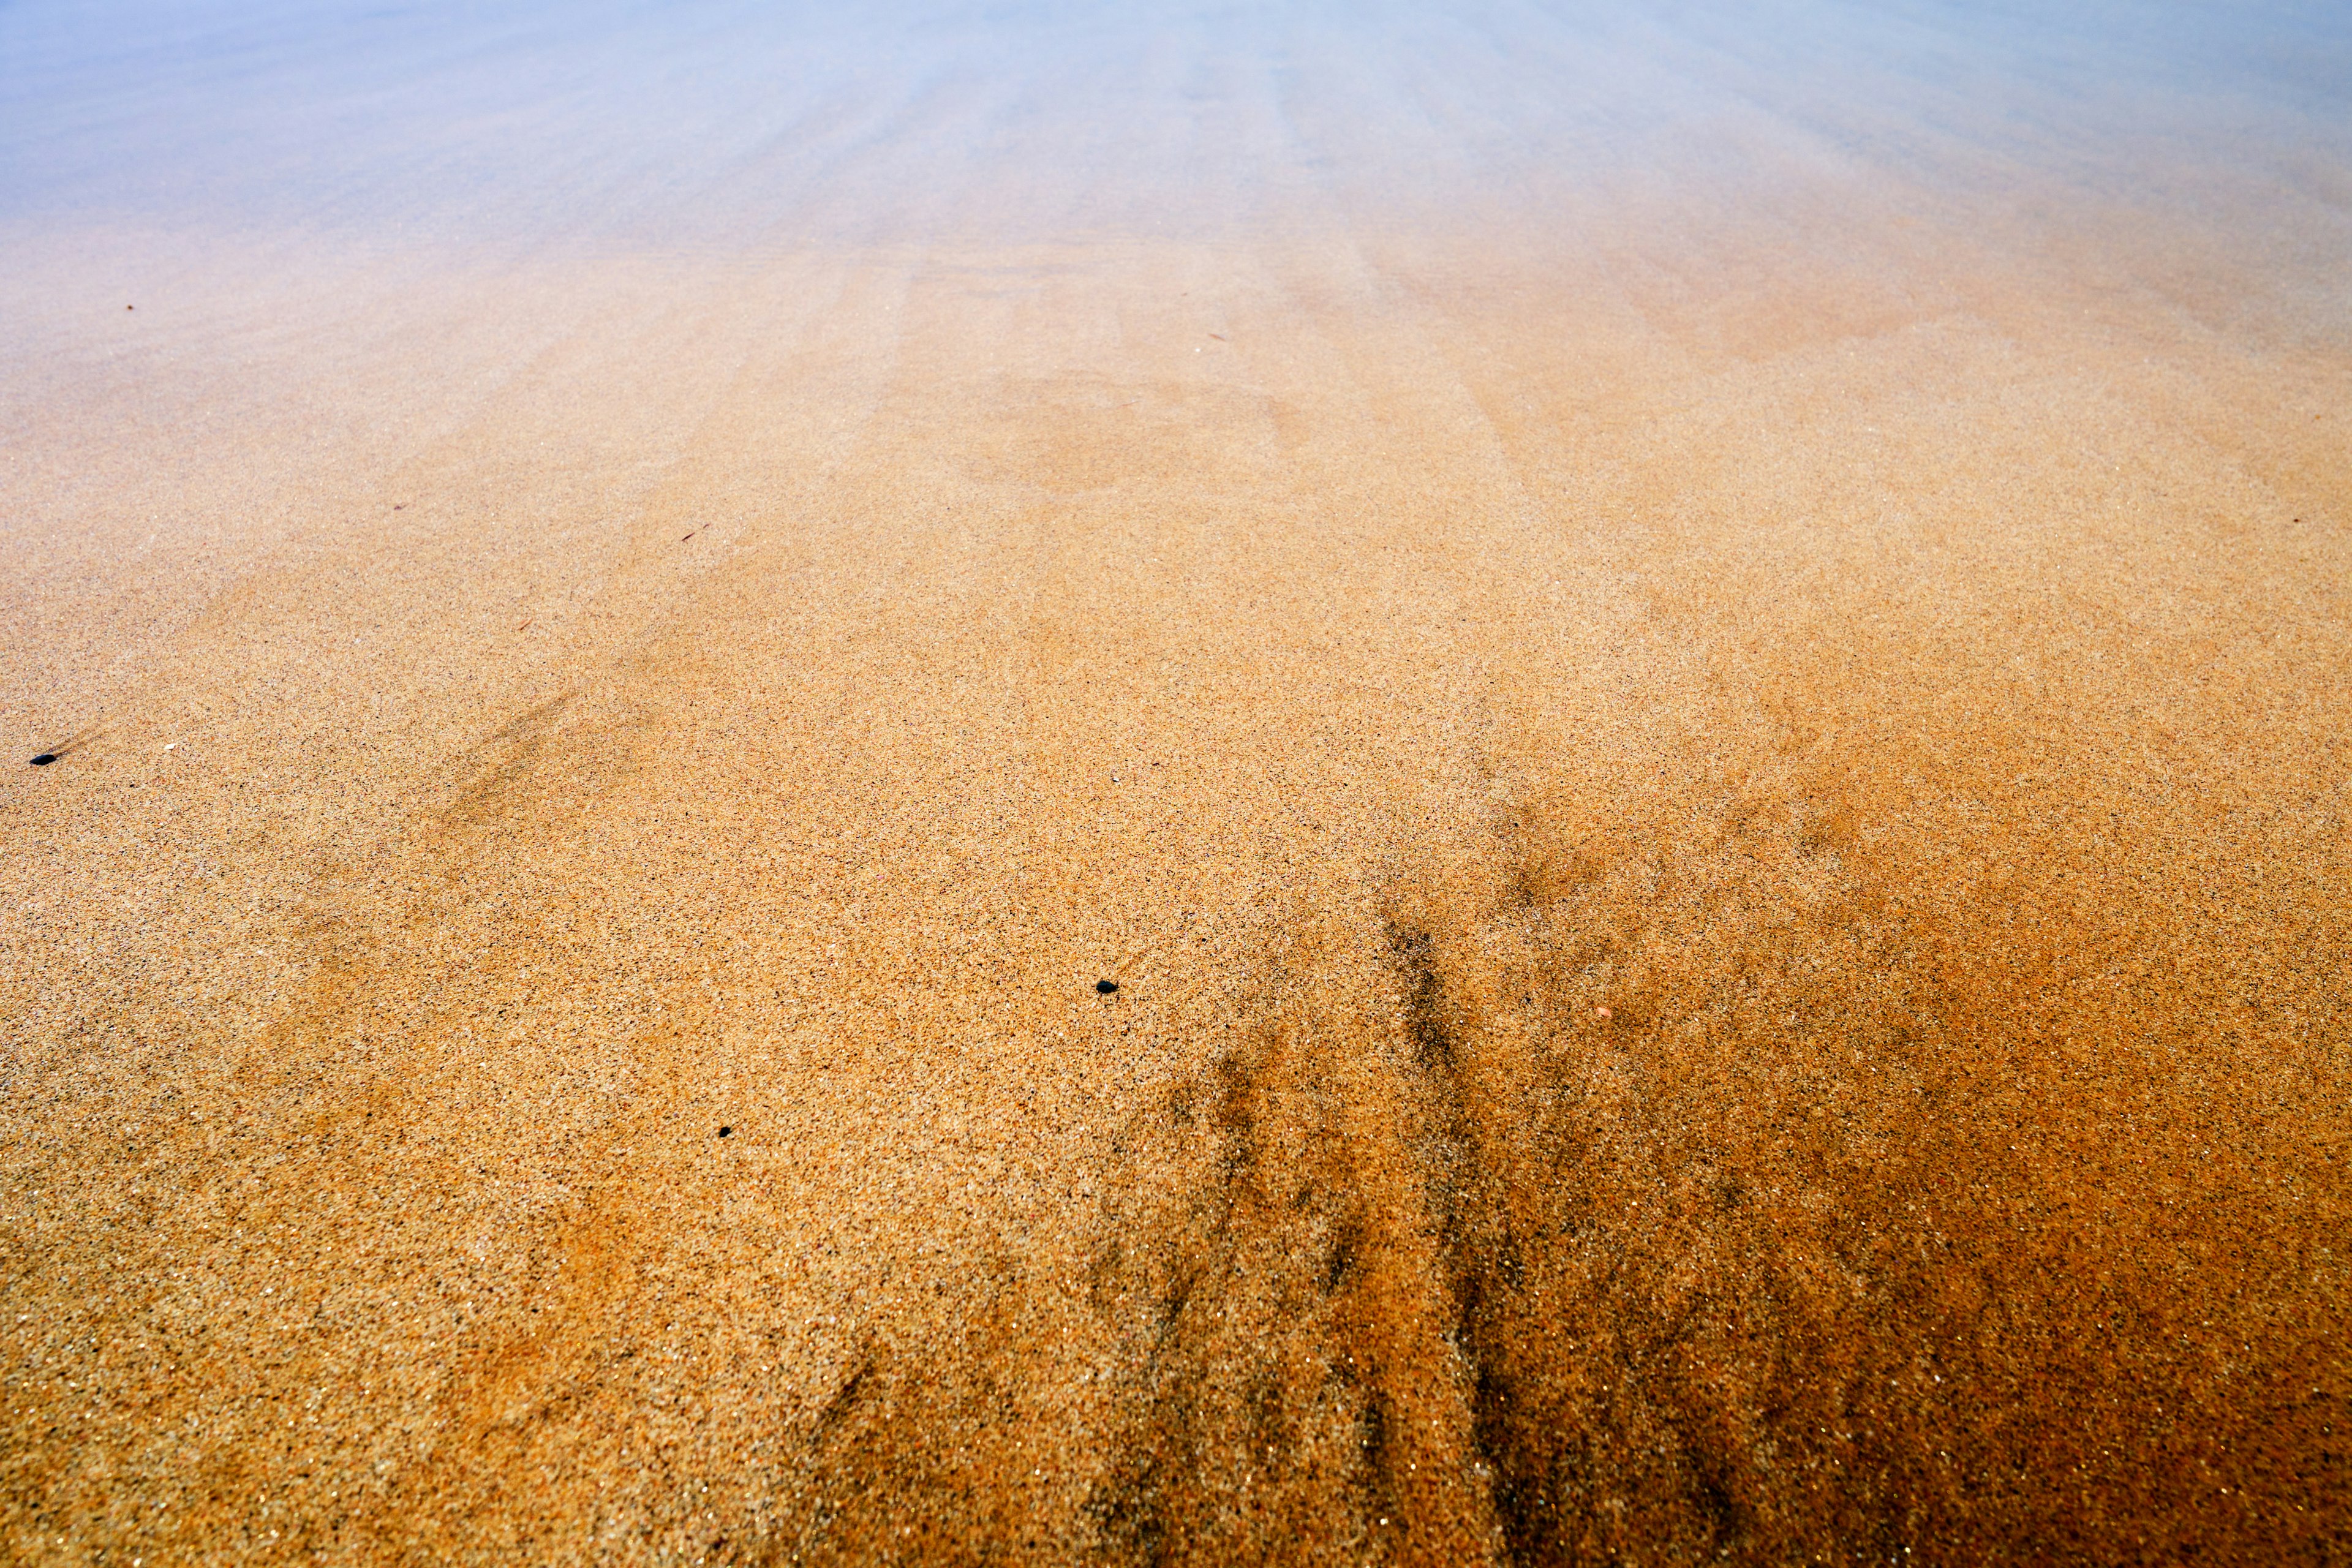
(666, 124)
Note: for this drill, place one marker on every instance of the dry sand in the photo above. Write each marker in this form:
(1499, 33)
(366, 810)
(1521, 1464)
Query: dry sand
(1691, 676)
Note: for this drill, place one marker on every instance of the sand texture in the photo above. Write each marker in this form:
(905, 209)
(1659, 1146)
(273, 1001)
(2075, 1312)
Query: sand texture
(1691, 666)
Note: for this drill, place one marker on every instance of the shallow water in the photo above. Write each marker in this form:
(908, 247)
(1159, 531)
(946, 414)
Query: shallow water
(1687, 662)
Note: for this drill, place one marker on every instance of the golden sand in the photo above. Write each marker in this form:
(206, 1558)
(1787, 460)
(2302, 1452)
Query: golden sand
(1721, 838)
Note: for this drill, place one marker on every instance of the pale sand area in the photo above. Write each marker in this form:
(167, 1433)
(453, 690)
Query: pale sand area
(1693, 678)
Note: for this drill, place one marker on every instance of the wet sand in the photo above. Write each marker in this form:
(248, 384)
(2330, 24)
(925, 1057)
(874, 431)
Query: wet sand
(1690, 675)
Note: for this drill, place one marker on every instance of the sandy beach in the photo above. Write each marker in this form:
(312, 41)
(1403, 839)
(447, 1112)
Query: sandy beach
(1475, 784)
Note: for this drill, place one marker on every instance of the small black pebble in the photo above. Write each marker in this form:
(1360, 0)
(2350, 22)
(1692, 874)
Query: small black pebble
(1106, 986)
(726, 1131)
(44, 759)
